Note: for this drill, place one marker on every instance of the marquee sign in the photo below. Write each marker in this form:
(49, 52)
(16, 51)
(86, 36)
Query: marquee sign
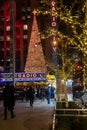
(32, 76)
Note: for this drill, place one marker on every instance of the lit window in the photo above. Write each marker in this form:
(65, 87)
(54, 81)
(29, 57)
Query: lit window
(1, 68)
(8, 19)
(8, 28)
(8, 38)
(28, 8)
(23, 9)
(23, 17)
(8, 49)
(25, 27)
(25, 36)
(8, 60)
(1, 38)
(28, 16)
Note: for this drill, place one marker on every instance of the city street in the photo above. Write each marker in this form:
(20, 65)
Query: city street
(37, 118)
(43, 59)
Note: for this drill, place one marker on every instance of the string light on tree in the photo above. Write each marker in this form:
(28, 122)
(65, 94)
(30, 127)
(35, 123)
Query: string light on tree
(35, 61)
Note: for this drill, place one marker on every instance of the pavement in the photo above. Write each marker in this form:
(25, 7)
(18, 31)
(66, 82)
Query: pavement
(38, 117)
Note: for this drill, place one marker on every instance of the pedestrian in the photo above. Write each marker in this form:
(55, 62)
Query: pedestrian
(48, 94)
(30, 93)
(53, 94)
(42, 93)
(23, 94)
(8, 100)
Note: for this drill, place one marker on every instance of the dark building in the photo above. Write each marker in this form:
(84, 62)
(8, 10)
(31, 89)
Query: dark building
(22, 24)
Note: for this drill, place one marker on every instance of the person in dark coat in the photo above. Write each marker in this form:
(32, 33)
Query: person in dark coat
(31, 93)
(8, 100)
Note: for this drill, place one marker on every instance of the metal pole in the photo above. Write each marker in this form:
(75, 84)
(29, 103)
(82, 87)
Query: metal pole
(12, 43)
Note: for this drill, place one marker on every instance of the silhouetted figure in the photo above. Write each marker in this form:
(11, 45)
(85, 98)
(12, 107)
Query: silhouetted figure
(31, 93)
(8, 100)
(23, 94)
(42, 93)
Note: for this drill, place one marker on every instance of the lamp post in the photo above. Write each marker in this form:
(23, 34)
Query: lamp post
(12, 42)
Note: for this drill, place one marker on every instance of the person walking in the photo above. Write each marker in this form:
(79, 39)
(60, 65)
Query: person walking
(31, 93)
(42, 93)
(8, 100)
(48, 94)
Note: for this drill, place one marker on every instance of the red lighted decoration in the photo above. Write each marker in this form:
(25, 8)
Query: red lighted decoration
(78, 67)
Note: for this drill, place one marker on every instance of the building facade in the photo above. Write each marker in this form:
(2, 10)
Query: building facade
(22, 25)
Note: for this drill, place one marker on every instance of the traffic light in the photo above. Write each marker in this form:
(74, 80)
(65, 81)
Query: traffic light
(78, 67)
(78, 72)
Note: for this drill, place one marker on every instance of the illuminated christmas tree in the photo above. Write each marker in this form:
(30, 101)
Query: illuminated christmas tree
(35, 61)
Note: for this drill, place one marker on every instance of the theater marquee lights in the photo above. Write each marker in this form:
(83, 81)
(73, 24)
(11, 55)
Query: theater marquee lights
(22, 77)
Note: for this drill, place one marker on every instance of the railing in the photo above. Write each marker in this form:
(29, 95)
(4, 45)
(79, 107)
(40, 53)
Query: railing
(68, 112)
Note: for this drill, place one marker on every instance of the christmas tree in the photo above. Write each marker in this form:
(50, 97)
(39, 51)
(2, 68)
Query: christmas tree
(35, 61)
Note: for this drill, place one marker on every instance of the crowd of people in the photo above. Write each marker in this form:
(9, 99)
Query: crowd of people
(28, 94)
(39, 92)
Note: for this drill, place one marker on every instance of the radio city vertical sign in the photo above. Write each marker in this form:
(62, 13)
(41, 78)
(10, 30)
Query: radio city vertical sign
(53, 14)
(54, 25)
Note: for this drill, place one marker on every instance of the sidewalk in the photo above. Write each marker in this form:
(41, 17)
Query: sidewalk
(37, 118)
